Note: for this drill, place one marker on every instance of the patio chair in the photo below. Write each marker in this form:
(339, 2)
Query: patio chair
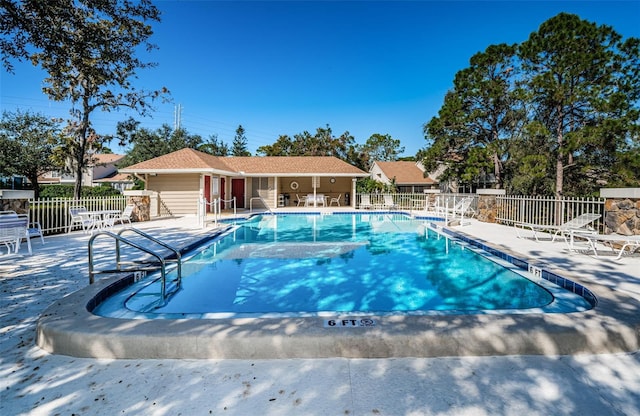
(301, 200)
(611, 240)
(82, 217)
(125, 215)
(336, 200)
(365, 202)
(33, 228)
(579, 223)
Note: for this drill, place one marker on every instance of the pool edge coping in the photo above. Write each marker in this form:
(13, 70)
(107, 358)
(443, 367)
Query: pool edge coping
(613, 325)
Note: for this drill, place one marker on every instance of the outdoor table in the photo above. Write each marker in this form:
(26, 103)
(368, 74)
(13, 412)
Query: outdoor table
(99, 217)
(315, 200)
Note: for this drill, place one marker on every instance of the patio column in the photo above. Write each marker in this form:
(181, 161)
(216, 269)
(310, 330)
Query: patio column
(353, 192)
(315, 183)
(276, 194)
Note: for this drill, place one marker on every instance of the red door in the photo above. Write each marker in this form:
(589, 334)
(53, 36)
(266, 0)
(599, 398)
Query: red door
(222, 194)
(237, 190)
(207, 191)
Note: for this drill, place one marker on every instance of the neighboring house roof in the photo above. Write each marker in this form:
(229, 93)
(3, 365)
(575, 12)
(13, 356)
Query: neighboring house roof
(405, 173)
(44, 180)
(116, 177)
(190, 160)
(98, 161)
(105, 159)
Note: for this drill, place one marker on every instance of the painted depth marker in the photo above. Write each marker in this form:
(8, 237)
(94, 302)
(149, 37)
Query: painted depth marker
(349, 323)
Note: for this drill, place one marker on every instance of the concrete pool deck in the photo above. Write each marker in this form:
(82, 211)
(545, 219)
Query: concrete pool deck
(36, 382)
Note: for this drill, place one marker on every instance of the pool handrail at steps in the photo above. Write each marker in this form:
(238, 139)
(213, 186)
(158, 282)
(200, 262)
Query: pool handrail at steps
(142, 266)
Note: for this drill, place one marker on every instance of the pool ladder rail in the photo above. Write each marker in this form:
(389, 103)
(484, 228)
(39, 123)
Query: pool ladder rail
(147, 265)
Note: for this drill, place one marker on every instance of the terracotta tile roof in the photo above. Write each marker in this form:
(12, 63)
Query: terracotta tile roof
(190, 159)
(406, 173)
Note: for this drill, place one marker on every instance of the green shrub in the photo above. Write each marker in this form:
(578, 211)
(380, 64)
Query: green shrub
(66, 191)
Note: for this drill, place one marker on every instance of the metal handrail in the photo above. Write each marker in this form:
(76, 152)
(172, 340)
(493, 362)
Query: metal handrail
(161, 260)
(159, 242)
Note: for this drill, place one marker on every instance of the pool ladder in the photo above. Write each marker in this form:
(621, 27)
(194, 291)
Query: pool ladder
(142, 265)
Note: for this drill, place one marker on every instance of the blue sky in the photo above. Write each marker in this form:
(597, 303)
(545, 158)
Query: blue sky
(286, 67)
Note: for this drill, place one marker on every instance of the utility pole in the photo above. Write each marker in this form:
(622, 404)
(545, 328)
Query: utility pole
(176, 116)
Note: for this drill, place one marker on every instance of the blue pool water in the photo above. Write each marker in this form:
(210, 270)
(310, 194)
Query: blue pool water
(341, 263)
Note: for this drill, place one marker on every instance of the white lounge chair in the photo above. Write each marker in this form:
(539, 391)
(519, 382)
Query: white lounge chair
(365, 202)
(579, 223)
(459, 209)
(336, 200)
(33, 228)
(622, 241)
(301, 200)
(388, 202)
(12, 230)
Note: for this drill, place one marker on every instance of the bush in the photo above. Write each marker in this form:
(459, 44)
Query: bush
(66, 191)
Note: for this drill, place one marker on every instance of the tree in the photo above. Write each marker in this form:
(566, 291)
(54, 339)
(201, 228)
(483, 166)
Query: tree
(382, 148)
(148, 144)
(585, 87)
(562, 104)
(86, 47)
(214, 147)
(282, 147)
(478, 119)
(27, 142)
(322, 143)
(239, 146)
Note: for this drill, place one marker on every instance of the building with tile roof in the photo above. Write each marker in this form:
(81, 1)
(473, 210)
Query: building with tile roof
(101, 168)
(408, 177)
(181, 178)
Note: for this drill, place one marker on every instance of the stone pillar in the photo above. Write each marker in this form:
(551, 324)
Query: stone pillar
(142, 201)
(487, 209)
(17, 201)
(621, 210)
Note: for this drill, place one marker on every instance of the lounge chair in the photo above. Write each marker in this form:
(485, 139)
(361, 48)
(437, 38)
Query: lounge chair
(336, 200)
(579, 223)
(301, 200)
(388, 202)
(459, 209)
(12, 230)
(365, 202)
(623, 241)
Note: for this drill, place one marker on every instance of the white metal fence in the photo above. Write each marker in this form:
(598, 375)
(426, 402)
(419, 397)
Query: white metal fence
(547, 210)
(413, 201)
(53, 213)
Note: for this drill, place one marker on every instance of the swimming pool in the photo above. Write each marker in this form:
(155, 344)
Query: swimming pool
(346, 264)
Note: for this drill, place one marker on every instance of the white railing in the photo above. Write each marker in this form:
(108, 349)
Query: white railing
(546, 210)
(216, 210)
(414, 202)
(53, 213)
